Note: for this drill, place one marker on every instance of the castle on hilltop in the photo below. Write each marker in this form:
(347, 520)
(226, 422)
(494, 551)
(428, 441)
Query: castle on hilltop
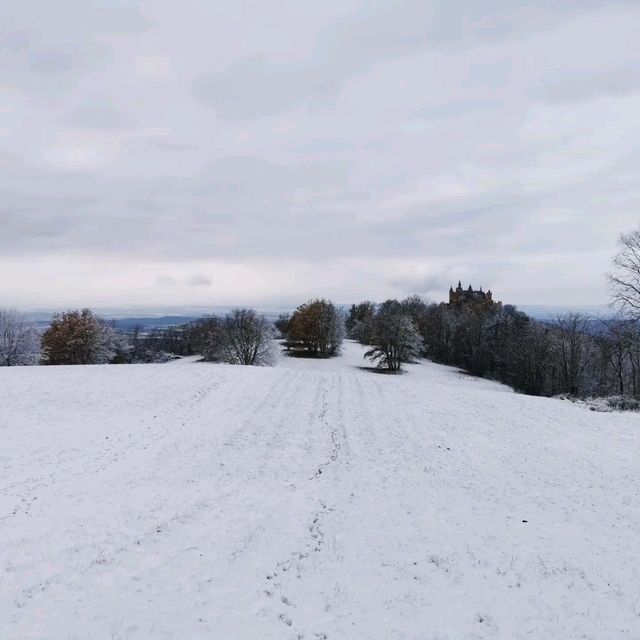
(469, 298)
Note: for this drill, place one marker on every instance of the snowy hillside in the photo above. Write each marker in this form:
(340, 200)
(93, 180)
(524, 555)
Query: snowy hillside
(311, 500)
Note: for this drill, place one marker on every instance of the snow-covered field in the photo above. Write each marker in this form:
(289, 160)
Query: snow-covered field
(311, 500)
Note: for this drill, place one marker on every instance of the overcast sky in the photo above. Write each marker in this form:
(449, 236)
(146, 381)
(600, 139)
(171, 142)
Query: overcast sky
(262, 152)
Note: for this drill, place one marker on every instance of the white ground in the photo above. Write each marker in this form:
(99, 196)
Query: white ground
(311, 500)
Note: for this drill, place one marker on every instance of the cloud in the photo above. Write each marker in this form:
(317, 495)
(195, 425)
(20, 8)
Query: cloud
(570, 88)
(370, 149)
(199, 280)
(52, 62)
(166, 281)
(97, 112)
(239, 92)
(423, 285)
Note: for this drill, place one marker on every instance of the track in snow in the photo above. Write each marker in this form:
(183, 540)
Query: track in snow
(311, 500)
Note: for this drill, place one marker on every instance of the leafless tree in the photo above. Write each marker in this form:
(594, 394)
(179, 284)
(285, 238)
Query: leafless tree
(19, 340)
(241, 337)
(248, 338)
(618, 357)
(573, 351)
(624, 279)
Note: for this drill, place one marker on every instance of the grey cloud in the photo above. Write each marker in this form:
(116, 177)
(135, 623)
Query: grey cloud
(585, 86)
(166, 281)
(145, 206)
(372, 34)
(194, 280)
(422, 284)
(46, 46)
(251, 88)
(96, 112)
(372, 132)
(52, 62)
(199, 280)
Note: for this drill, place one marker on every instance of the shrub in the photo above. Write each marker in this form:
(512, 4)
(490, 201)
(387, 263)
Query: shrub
(621, 403)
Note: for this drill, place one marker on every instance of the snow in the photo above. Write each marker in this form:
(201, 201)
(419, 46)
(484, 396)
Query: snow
(315, 499)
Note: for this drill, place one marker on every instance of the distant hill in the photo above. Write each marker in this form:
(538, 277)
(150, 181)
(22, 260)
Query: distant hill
(550, 312)
(127, 321)
(161, 322)
(43, 320)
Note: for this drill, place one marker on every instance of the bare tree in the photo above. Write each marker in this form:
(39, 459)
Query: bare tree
(624, 280)
(19, 340)
(241, 337)
(247, 338)
(617, 365)
(573, 351)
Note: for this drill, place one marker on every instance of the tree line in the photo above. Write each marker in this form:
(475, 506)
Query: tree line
(574, 354)
(242, 336)
(81, 337)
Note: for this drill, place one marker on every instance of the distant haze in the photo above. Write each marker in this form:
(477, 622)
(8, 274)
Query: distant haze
(191, 154)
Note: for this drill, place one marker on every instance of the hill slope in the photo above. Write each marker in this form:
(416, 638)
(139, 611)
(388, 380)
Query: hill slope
(311, 500)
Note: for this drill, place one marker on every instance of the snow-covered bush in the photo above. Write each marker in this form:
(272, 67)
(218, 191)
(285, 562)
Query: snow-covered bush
(19, 340)
(394, 338)
(621, 403)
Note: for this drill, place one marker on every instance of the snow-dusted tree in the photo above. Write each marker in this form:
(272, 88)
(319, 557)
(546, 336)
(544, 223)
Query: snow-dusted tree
(19, 340)
(282, 324)
(112, 346)
(247, 338)
(79, 337)
(624, 279)
(317, 329)
(395, 339)
(359, 322)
